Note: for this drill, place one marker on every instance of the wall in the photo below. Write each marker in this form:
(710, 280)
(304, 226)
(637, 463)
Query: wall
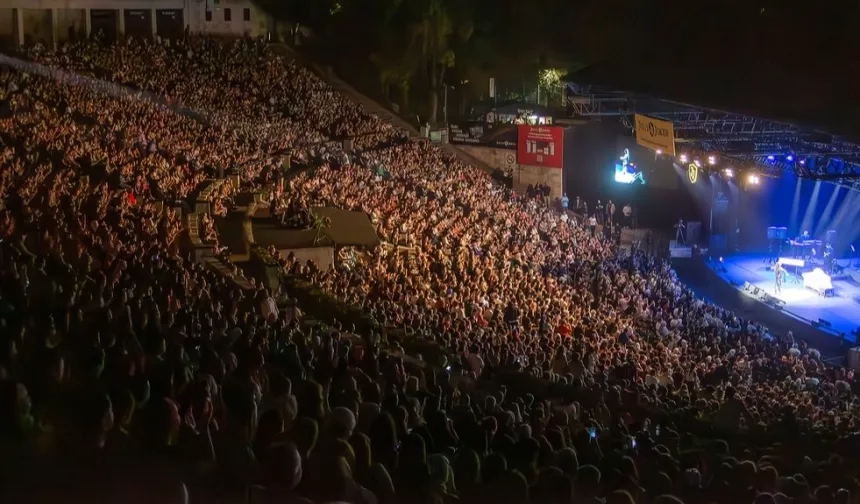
(37, 27)
(501, 159)
(69, 22)
(94, 4)
(7, 26)
(539, 175)
(237, 26)
(194, 15)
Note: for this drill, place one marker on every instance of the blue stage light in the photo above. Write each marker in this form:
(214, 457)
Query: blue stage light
(771, 157)
(789, 158)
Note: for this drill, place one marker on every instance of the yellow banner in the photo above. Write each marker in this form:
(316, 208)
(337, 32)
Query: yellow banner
(655, 134)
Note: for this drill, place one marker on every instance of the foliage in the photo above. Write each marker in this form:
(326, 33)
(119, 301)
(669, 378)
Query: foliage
(418, 48)
(551, 87)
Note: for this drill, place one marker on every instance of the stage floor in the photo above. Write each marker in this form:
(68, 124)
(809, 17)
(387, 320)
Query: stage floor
(841, 309)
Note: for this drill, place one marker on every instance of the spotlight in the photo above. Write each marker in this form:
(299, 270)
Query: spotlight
(729, 172)
(712, 160)
(771, 157)
(697, 162)
(721, 258)
(659, 151)
(789, 158)
(683, 158)
(753, 179)
(802, 161)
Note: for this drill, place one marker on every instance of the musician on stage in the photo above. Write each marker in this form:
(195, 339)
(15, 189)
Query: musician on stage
(679, 232)
(829, 262)
(800, 244)
(777, 277)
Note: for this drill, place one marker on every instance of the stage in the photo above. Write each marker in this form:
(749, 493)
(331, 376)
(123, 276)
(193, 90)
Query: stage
(841, 308)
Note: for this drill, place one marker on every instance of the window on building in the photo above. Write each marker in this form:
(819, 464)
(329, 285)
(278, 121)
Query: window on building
(246, 14)
(209, 15)
(227, 15)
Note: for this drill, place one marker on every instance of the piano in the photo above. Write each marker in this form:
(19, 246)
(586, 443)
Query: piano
(818, 280)
(790, 261)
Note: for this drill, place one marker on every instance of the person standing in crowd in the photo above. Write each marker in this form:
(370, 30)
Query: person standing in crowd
(565, 201)
(599, 213)
(592, 225)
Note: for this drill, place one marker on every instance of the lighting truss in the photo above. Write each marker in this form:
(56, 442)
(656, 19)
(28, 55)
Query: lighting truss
(771, 147)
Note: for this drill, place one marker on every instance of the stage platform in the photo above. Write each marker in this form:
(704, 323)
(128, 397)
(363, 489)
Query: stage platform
(841, 309)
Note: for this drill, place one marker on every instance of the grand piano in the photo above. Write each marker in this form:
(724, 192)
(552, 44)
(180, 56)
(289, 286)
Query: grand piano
(819, 281)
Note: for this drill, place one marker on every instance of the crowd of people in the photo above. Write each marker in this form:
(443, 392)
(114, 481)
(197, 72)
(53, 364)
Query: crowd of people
(554, 368)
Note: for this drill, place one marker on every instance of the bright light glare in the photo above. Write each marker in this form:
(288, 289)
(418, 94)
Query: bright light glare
(712, 160)
(697, 162)
(659, 151)
(729, 172)
(789, 158)
(683, 158)
(753, 179)
(771, 157)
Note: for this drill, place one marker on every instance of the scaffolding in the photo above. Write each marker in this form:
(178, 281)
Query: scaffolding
(771, 147)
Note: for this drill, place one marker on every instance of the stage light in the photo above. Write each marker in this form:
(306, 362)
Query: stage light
(721, 258)
(789, 158)
(683, 158)
(771, 157)
(659, 151)
(753, 179)
(802, 161)
(712, 160)
(697, 162)
(729, 172)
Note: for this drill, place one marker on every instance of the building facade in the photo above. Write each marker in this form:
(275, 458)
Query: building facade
(50, 22)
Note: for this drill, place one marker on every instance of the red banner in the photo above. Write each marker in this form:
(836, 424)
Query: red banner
(540, 146)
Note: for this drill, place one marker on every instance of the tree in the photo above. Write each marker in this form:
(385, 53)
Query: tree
(433, 31)
(396, 71)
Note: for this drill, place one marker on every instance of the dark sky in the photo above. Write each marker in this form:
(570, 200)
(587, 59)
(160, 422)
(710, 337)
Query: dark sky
(786, 59)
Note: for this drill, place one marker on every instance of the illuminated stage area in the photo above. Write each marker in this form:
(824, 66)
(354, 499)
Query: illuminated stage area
(840, 308)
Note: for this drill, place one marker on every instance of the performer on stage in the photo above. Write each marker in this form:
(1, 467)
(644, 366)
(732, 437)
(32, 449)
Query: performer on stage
(679, 232)
(777, 277)
(829, 263)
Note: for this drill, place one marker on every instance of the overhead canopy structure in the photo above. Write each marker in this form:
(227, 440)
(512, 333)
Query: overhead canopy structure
(741, 138)
(345, 228)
